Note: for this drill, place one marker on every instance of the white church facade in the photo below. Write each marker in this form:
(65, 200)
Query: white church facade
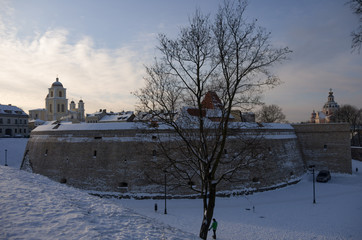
(329, 108)
(56, 106)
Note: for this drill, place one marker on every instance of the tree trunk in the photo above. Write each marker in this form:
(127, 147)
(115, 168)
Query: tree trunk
(208, 211)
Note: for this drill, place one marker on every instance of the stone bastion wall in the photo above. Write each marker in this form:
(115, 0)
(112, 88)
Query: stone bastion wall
(327, 146)
(122, 159)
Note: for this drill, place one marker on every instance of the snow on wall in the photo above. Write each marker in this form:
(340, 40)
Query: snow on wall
(110, 156)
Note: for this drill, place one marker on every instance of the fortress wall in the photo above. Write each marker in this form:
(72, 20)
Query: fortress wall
(123, 160)
(327, 146)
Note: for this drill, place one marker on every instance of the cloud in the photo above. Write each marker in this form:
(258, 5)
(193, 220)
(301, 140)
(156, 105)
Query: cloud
(103, 78)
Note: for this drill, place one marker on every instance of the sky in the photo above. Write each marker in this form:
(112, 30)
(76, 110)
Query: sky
(99, 50)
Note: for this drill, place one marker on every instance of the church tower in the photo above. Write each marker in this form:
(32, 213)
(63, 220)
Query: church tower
(56, 103)
(330, 106)
(81, 111)
(72, 106)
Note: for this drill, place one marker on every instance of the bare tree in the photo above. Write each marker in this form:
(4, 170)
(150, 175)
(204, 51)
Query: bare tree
(356, 6)
(352, 115)
(228, 56)
(270, 113)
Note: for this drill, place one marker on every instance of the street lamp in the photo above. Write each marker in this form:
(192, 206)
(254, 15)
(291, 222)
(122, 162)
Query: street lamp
(6, 157)
(312, 166)
(165, 192)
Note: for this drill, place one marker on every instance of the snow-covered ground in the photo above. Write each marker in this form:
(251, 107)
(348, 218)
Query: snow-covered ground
(34, 207)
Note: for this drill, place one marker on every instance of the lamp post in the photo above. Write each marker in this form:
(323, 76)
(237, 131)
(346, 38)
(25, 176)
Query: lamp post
(165, 192)
(312, 166)
(6, 157)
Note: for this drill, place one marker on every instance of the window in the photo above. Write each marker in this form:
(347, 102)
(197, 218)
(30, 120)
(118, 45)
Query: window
(19, 130)
(21, 121)
(60, 94)
(46, 152)
(95, 153)
(16, 121)
(51, 93)
(1, 121)
(24, 121)
(58, 108)
(9, 120)
(122, 184)
(50, 108)
(16, 130)
(24, 130)
(1, 130)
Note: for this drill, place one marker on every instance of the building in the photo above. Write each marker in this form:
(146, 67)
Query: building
(75, 114)
(56, 106)
(128, 158)
(329, 108)
(120, 157)
(13, 122)
(103, 117)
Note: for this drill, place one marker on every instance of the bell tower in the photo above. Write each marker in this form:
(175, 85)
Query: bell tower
(56, 102)
(330, 106)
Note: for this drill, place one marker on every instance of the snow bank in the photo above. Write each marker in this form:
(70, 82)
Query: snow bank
(34, 207)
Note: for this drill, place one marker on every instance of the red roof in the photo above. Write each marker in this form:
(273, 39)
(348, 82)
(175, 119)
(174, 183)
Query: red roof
(211, 101)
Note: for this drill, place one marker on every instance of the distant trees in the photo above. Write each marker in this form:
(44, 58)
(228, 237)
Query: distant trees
(270, 113)
(353, 116)
(356, 6)
(227, 55)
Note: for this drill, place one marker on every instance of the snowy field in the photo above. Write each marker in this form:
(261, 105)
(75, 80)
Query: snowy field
(34, 207)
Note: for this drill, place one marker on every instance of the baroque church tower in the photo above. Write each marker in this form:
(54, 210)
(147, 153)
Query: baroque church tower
(56, 106)
(329, 108)
(56, 102)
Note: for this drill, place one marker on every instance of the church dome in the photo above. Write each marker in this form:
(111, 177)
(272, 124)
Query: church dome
(57, 83)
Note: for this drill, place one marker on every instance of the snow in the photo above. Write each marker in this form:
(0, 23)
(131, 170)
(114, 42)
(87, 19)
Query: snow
(9, 109)
(34, 207)
(68, 126)
(15, 151)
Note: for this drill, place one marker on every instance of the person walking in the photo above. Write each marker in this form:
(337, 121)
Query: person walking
(213, 227)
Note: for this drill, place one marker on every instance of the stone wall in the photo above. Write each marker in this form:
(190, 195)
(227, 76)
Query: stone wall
(125, 160)
(327, 146)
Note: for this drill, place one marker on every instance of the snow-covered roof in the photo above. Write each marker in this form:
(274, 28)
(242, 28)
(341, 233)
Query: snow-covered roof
(9, 109)
(117, 117)
(68, 126)
(38, 109)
